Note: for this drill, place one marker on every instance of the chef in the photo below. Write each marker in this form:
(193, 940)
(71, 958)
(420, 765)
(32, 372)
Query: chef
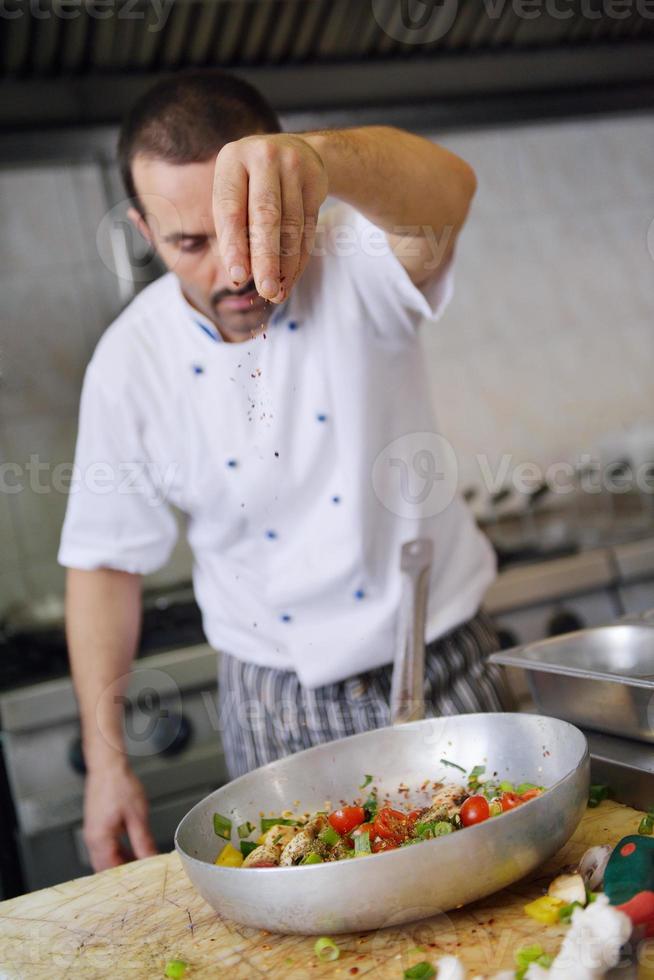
(271, 387)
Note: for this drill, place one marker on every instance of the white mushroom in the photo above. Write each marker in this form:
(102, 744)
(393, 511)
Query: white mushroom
(296, 849)
(446, 802)
(262, 856)
(569, 888)
(593, 865)
(279, 835)
(303, 842)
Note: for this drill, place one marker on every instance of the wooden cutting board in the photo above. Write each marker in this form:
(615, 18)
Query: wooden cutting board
(128, 922)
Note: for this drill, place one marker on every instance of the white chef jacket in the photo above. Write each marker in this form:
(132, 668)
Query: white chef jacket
(303, 459)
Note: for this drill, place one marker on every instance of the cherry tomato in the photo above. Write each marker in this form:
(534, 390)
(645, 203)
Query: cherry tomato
(412, 819)
(510, 801)
(391, 825)
(344, 821)
(531, 794)
(474, 810)
(362, 828)
(378, 846)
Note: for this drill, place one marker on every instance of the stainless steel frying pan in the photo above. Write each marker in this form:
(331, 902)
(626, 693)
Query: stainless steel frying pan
(413, 882)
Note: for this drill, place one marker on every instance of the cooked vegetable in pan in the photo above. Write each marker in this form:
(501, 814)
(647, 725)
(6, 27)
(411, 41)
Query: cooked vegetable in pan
(370, 826)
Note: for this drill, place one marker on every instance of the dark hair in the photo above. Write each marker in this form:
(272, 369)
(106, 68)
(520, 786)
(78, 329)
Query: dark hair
(189, 117)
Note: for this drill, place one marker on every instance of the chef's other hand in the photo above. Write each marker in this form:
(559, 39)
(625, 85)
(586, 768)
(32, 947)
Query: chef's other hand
(267, 193)
(115, 805)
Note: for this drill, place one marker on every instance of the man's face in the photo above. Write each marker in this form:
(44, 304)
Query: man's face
(179, 224)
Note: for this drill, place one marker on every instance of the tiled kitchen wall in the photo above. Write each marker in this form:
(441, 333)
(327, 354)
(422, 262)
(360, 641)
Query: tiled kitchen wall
(57, 298)
(547, 345)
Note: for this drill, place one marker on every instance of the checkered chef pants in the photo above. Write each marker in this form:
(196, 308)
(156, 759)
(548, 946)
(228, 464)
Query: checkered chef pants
(266, 714)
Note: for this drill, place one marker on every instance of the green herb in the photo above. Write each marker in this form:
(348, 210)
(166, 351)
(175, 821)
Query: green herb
(525, 787)
(446, 762)
(646, 825)
(371, 806)
(591, 896)
(268, 822)
(245, 829)
(565, 912)
(311, 858)
(366, 782)
(506, 787)
(597, 794)
(421, 971)
(528, 955)
(222, 827)
(175, 969)
(473, 778)
(432, 828)
(362, 842)
(326, 949)
(329, 836)
(247, 846)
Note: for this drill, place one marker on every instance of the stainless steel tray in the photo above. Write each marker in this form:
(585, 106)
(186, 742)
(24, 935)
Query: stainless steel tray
(600, 678)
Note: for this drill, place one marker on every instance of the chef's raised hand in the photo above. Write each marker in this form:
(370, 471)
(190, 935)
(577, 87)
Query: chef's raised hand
(267, 193)
(115, 805)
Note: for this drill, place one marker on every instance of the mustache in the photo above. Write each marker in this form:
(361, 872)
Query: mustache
(221, 294)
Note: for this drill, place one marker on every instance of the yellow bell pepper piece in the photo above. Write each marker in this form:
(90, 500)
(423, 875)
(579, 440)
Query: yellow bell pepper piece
(545, 909)
(229, 857)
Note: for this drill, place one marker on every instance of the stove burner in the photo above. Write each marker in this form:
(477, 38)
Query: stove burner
(28, 656)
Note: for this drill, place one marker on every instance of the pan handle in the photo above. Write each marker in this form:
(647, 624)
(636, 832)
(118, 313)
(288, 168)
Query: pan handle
(407, 686)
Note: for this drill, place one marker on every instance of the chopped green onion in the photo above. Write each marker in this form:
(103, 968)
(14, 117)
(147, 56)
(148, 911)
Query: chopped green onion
(476, 773)
(362, 842)
(446, 762)
(495, 808)
(268, 822)
(433, 828)
(329, 836)
(421, 971)
(591, 896)
(565, 912)
(506, 787)
(175, 969)
(597, 794)
(311, 858)
(528, 955)
(245, 829)
(525, 787)
(371, 806)
(646, 825)
(366, 782)
(326, 949)
(222, 827)
(247, 846)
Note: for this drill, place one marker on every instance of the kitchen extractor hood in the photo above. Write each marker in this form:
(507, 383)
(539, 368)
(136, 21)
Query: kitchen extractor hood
(73, 61)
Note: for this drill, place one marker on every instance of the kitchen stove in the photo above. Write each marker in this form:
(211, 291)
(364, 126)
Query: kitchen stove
(172, 735)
